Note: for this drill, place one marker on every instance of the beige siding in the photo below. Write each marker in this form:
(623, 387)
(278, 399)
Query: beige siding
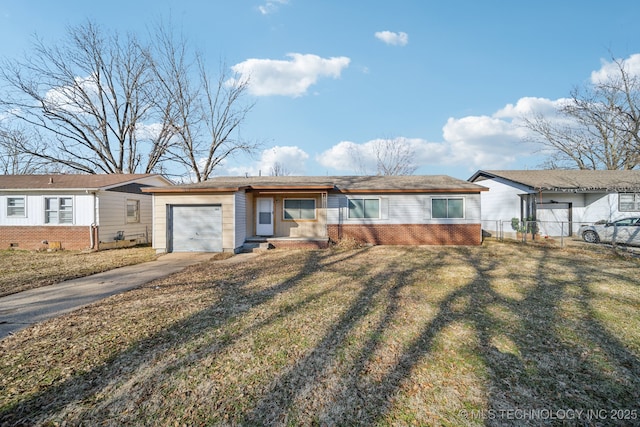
(112, 216)
(163, 201)
(286, 227)
(240, 218)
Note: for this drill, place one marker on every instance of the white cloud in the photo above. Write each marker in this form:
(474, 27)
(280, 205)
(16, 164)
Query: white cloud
(271, 6)
(345, 155)
(288, 78)
(290, 158)
(610, 69)
(73, 97)
(393, 38)
(494, 141)
(484, 142)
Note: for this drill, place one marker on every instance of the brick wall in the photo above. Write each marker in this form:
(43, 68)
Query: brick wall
(31, 237)
(409, 234)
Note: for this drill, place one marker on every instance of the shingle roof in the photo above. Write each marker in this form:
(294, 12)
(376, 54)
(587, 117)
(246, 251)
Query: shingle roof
(68, 182)
(410, 183)
(568, 180)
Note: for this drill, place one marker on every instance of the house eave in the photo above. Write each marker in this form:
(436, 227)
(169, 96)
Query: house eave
(201, 190)
(414, 190)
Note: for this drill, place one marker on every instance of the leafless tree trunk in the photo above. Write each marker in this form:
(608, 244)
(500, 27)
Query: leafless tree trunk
(205, 114)
(599, 127)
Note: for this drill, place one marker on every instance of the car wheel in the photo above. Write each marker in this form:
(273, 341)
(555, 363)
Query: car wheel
(590, 236)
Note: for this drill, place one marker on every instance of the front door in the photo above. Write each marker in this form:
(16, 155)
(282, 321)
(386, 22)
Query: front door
(264, 216)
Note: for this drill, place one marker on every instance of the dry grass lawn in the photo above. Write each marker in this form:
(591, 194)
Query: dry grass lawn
(23, 270)
(372, 336)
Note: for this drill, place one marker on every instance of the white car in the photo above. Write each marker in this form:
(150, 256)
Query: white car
(624, 231)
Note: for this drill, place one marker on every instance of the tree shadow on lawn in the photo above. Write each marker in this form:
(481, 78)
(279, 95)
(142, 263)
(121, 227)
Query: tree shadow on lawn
(545, 371)
(85, 388)
(544, 366)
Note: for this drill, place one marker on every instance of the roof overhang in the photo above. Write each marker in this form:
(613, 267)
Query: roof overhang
(201, 190)
(415, 190)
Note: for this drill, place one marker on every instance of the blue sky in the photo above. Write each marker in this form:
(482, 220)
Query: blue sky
(450, 78)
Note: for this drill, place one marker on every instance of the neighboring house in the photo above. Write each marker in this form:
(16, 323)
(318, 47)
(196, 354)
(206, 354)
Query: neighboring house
(75, 211)
(224, 213)
(560, 200)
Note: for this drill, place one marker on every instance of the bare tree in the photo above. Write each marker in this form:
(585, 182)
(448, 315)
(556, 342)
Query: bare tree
(278, 169)
(598, 128)
(205, 113)
(109, 104)
(394, 157)
(390, 157)
(12, 160)
(91, 96)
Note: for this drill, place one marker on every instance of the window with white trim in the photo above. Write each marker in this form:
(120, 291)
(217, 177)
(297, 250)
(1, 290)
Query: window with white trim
(58, 210)
(16, 207)
(364, 208)
(629, 202)
(133, 211)
(447, 207)
(299, 209)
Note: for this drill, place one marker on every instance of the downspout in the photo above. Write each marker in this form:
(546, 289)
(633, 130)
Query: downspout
(93, 225)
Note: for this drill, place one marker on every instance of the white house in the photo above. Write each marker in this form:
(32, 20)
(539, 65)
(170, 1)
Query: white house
(75, 211)
(559, 200)
(224, 213)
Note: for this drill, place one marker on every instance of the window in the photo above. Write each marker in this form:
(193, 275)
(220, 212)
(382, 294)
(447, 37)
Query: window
(58, 210)
(447, 208)
(15, 207)
(629, 202)
(299, 209)
(133, 211)
(364, 208)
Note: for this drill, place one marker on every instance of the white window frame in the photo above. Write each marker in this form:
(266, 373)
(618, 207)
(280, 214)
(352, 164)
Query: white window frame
(635, 202)
(58, 210)
(315, 209)
(136, 218)
(447, 199)
(364, 199)
(24, 207)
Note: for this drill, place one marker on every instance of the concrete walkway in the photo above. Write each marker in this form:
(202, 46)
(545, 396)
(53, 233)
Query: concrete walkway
(17, 311)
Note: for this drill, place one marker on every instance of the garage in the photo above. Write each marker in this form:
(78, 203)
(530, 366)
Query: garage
(195, 228)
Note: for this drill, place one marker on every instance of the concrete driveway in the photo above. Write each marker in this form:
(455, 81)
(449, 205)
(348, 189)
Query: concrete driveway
(20, 310)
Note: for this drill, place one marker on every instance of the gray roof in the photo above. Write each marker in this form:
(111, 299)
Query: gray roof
(409, 183)
(67, 181)
(567, 180)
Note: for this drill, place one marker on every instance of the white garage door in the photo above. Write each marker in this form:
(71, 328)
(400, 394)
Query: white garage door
(196, 228)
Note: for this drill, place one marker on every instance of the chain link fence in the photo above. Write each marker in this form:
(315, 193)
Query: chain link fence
(553, 232)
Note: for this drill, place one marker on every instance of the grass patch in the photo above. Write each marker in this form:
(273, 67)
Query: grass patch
(366, 336)
(23, 270)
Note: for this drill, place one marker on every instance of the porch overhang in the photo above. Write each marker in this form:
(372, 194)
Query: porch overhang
(266, 189)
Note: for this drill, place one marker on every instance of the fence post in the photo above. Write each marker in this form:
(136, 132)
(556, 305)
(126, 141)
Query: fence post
(562, 234)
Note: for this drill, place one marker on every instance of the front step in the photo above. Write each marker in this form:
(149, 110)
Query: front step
(249, 247)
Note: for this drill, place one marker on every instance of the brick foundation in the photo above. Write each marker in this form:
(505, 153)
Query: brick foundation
(408, 234)
(31, 237)
(298, 244)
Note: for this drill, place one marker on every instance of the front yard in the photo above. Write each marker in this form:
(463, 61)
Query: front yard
(23, 270)
(371, 336)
